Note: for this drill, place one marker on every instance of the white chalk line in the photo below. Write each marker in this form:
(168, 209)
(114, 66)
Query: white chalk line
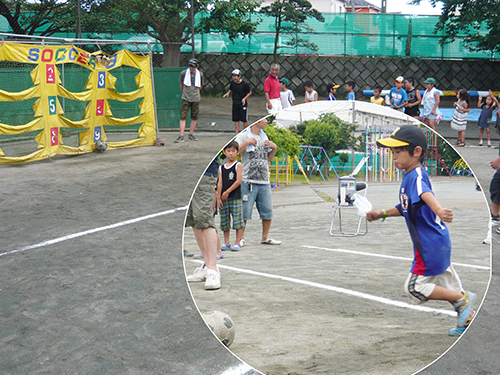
(388, 256)
(349, 292)
(92, 231)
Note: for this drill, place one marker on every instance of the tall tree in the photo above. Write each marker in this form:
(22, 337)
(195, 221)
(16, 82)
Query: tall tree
(169, 21)
(467, 17)
(42, 17)
(290, 16)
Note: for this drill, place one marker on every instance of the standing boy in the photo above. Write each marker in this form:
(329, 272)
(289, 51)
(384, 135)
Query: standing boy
(241, 92)
(287, 97)
(349, 86)
(331, 88)
(398, 96)
(191, 81)
(432, 277)
(376, 98)
(256, 151)
(229, 196)
(414, 98)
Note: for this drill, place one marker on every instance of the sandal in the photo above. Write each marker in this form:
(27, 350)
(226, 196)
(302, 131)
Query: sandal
(270, 241)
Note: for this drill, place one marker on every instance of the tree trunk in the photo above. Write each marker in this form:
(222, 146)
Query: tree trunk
(171, 55)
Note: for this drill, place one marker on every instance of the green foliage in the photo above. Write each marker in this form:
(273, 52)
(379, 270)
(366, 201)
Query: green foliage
(461, 17)
(328, 132)
(290, 16)
(286, 140)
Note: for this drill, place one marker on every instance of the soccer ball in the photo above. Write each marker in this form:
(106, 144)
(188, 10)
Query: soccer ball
(222, 325)
(101, 145)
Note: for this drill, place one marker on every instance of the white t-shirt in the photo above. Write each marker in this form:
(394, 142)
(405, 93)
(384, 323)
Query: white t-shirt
(287, 98)
(254, 158)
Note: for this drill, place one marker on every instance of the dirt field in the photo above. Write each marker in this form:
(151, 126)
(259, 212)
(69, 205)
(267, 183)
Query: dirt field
(320, 305)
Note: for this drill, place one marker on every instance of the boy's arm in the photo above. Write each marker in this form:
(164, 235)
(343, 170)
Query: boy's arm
(379, 214)
(245, 144)
(444, 214)
(227, 94)
(244, 100)
(274, 148)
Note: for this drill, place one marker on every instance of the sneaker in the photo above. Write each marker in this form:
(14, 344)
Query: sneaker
(480, 143)
(235, 248)
(199, 256)
(489, 144)
(212, 280)
(456, 331)
(180, 139)
(495, 217)
(497, 230)
(225, 247)
(187, 254)
(220, 256)
(192, 137)
(242, 242)
(463, 307)
(459, 330)
(199, 274)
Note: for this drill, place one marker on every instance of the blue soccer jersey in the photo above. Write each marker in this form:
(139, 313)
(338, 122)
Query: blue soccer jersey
(430, 236)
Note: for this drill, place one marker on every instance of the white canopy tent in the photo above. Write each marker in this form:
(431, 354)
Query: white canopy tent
(362, 114)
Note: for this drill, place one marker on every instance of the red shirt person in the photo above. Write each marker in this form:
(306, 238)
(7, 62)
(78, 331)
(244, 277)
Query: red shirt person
(272, 89)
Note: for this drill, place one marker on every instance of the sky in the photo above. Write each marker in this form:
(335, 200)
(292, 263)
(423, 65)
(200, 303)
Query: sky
(401, 6)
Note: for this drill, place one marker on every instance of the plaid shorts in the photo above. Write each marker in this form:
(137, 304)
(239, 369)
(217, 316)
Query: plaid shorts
(232, 207)
(195, 109)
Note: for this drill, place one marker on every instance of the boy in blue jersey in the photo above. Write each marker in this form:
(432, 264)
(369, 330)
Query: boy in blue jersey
(432, 277)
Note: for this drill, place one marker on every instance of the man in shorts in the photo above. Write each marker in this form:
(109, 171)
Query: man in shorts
(200, 217)
(272, 89)
(256, 152)
(191, 81)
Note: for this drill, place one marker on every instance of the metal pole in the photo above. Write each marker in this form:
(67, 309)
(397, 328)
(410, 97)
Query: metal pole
(153, 87)
(78, 20)
(192, 28)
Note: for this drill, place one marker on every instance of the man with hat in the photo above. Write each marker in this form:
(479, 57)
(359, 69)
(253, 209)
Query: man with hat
(241, 92)
(191, 81)
(432, 276)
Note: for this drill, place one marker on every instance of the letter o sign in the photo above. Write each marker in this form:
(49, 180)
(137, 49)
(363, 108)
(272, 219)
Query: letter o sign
(47, 55)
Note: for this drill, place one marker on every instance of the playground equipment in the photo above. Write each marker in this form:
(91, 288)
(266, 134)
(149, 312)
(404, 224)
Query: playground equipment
(347, 189)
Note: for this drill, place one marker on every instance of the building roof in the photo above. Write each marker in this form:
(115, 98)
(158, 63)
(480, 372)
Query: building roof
(360, 4)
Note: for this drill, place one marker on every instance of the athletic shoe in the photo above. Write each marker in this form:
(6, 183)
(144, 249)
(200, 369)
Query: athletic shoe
(180, 139)
(480, 143)
(463, 307)
(459, 330)
(225, 247)
(270, 241)
(212, 280)
(192, 137)
(199, 256)
(200, 274)
(220, 256)
(187, 254)
(495, 217)
(235, 248)
(242, 242)
(456, 331)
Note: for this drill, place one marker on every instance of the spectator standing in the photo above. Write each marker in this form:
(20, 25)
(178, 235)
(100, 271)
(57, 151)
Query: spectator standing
(349, 86)
(286, 95)
(376, 98)
(331, 88)
(430, 102)
(241, 92)
(414, 98)
(191, 82)
(272, 88)
(487, 105)
(310, 95)
(256, 152)
(398, 96)
(459, 120)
